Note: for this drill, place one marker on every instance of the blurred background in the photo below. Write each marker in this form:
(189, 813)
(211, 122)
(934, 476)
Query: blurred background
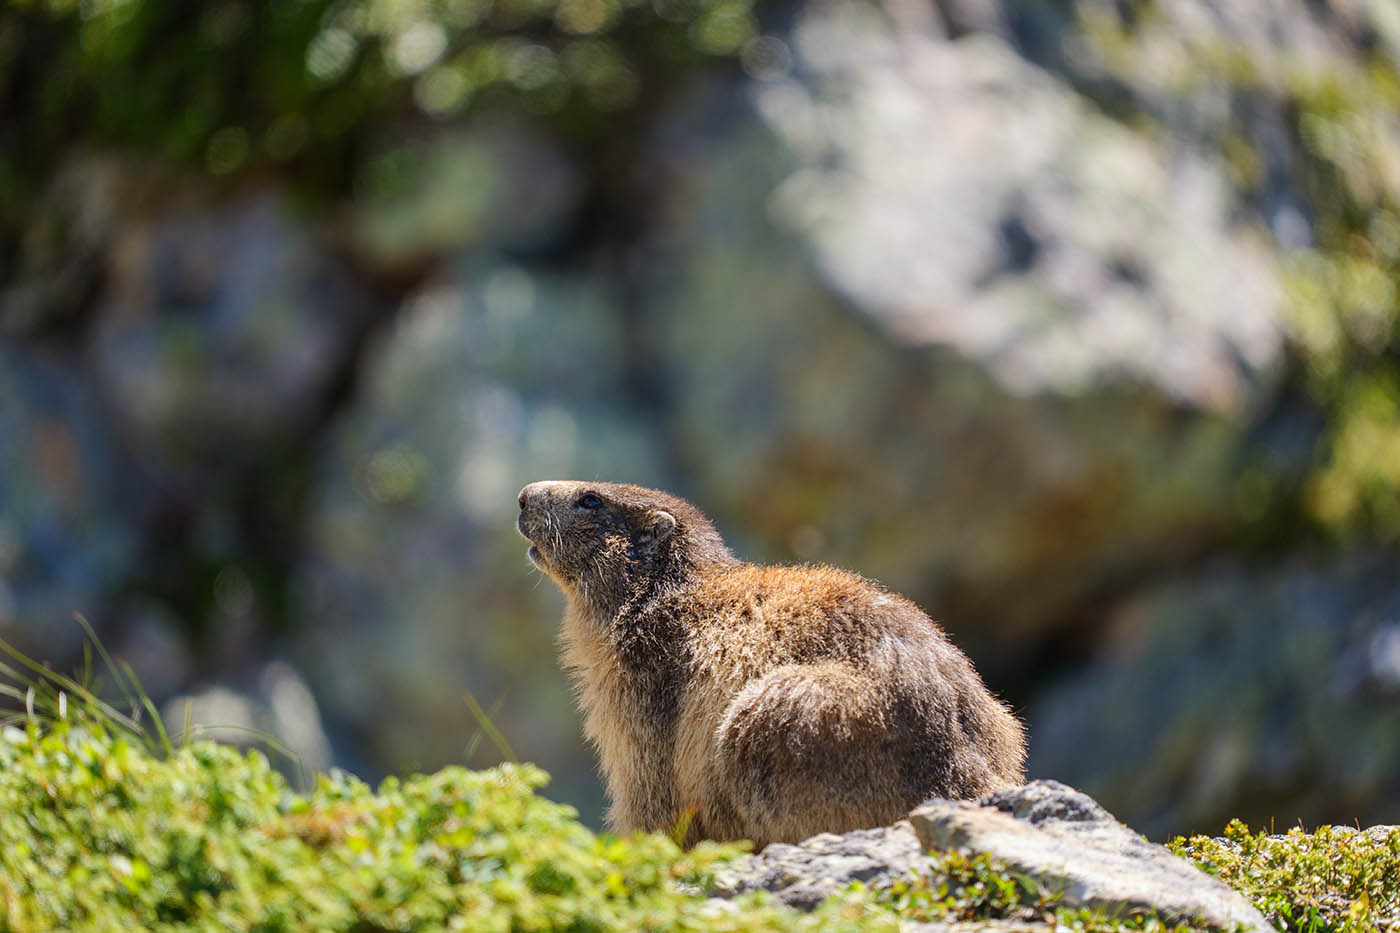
(1074, 320)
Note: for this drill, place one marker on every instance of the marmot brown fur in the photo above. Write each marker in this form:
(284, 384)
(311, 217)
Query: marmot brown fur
(753, 702)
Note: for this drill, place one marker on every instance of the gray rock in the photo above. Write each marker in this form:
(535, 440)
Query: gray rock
(805, 874)
(1069, 844)
(1061, 839)
(1065, 248)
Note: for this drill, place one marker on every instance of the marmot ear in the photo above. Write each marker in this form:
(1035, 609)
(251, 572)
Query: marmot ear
(660, 524)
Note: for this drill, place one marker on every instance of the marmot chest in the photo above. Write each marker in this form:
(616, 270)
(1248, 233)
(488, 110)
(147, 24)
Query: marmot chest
(630, 686)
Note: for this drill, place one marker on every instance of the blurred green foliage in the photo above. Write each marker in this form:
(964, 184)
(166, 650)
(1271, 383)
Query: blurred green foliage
(1343, 286)
(1345, 294)
(241, 86)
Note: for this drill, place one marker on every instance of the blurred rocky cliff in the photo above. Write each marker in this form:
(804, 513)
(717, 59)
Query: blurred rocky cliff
(1074, 321)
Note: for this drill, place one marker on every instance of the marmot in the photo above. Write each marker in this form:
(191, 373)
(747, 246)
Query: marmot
(753, 702)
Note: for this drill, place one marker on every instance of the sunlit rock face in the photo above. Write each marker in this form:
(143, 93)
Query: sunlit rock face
(962, 196)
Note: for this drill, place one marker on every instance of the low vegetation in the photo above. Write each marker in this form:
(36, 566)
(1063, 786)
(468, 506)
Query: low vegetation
(99, 834)
(105, 831)
(107, 822)
(1336, 878)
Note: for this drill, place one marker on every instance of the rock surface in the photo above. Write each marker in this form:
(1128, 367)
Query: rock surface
(1054, 835)
(1070, 844)
(805, 874)
(1069, 248)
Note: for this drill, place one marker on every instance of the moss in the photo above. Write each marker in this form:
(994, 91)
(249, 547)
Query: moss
(1334, 879)
(100, 834)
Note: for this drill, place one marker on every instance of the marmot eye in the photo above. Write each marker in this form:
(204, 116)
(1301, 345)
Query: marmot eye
(589, 501)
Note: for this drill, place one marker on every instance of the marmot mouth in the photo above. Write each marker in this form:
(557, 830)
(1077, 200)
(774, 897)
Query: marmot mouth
(535, 556)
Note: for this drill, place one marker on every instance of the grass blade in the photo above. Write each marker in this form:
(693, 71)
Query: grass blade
(483, 720)
(149, 707)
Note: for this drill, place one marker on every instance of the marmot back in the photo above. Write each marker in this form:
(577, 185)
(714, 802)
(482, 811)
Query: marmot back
(753, 702)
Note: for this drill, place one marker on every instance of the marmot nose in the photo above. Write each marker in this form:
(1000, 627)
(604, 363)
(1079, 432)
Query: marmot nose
(537, 492)
(530, 491)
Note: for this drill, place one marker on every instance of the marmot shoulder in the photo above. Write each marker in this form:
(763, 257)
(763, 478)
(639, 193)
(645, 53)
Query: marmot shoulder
(753, 702)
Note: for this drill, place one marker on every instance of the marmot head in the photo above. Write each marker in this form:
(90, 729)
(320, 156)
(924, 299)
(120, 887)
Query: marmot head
(601, 541)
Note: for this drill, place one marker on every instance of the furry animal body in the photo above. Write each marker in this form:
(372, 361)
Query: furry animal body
(753, 702)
